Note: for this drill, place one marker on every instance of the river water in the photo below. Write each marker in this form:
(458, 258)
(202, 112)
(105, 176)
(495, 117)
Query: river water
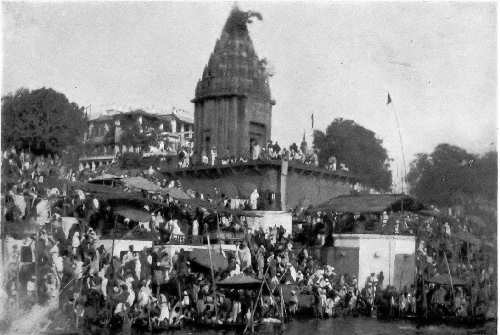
(354, 326)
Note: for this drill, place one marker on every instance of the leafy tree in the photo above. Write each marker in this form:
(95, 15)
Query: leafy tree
(358, 148)
(41, 121)
(450, 174)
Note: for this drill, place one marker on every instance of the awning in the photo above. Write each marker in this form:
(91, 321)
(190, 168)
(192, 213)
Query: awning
(239, 281)
(133, 214)
(202, 258)
(176, 193)
(97, 188)
(442, 279)
(370, 203)
(142, 184)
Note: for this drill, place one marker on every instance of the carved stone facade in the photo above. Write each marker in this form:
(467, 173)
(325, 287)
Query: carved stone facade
(232, 101)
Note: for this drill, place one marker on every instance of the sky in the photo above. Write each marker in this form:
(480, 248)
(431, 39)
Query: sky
(334, 59)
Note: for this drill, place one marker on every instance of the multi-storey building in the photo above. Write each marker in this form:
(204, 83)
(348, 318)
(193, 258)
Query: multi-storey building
(117, 132)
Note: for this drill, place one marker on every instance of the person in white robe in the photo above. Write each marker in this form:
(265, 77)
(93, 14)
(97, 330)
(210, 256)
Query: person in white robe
(254, 197)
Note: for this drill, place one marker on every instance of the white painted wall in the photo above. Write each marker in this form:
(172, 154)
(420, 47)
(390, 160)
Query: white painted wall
(122, 245)
(271, 219)
(376, 253)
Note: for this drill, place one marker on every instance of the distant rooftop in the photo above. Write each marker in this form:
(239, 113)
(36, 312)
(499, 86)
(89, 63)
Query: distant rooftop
(110, 113)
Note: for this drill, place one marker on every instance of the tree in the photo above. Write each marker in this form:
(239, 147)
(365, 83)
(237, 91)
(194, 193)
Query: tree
(358, 148)
(41, 121)
(450, 173)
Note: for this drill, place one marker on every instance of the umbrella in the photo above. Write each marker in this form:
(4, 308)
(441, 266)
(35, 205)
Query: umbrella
(239, 281)
(142, 183)
(202, 258)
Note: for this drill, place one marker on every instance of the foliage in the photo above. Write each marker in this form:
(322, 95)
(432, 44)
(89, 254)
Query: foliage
(450, 174)
(41, 121)
(132, 134)
(358, 148)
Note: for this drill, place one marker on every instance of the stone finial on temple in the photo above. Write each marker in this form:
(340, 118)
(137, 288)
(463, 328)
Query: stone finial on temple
(237, 21)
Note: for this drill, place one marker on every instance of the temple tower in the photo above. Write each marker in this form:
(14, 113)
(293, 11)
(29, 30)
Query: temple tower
(232, 100)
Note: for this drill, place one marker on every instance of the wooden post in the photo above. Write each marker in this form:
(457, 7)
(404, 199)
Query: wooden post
(113, 249)
(282, 305)
(18, 282)
(2, 236)
(36, 266)
(212, 273)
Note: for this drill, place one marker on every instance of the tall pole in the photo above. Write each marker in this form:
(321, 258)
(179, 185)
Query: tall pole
(36, 266)
(390, 103)
(212, 273)
(113, 249)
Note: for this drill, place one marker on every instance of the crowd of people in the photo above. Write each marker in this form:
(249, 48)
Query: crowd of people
(446, 254)
(271, 151)
(158, 287)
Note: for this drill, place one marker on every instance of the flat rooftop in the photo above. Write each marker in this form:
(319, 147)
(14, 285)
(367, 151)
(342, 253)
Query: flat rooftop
(258, 165)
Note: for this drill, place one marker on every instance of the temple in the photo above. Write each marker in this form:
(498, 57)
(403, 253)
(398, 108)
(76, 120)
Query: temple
(232, 100)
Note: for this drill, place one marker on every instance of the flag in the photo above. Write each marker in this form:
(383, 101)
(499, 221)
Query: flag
(389, 100)
(312, 121)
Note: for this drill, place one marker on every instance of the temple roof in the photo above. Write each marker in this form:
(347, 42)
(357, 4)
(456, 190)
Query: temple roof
(233, 67)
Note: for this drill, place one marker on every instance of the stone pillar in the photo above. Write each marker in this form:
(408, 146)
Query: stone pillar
(283, 175)
(173, 124)
(181, 136)
(118, 131)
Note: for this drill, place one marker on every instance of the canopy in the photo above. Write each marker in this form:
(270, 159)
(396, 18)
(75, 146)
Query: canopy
(142, 183)
(105, 176)
(369, 203)
(132, 213)
(239, 281)
(202, 258)
(94, 188)
(442, 279)
(176, 193)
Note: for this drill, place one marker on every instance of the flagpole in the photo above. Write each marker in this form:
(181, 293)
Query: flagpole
(403, 177)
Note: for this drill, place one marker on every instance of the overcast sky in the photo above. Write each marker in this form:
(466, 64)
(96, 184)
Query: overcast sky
(437, 60)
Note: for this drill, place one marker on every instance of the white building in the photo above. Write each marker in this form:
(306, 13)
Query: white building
(363, 254)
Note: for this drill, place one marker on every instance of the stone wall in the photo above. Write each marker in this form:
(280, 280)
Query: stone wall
(235, 185)
(304, 190)
(301, 189)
